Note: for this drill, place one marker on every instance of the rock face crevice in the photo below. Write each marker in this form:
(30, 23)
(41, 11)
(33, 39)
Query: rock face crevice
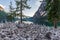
(41, 10)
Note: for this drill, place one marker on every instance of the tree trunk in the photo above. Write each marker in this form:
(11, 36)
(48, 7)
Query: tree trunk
(21, 11)
(55, 23)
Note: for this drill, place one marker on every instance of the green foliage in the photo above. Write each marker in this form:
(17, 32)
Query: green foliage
(3, 15)
(20, 6)
(11, 14)
(10, 18)
(52, 8)
(6, 16)
(48, 4)
(24, 4)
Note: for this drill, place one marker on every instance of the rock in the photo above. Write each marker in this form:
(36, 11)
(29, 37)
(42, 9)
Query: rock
(35, 39)
(41, 10)
(48, 35)
(10, 36)
(3, 36)
(32, 32)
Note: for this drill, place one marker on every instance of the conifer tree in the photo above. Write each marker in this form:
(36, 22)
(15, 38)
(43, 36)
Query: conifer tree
(11, 14)
(53, 11)
(21, 5)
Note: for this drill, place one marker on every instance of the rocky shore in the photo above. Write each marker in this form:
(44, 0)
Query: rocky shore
(13, 31)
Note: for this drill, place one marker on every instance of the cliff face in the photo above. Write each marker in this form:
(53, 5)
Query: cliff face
(41, 10)
(40, 16)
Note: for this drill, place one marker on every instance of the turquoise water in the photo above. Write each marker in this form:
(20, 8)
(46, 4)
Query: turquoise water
(45, 23)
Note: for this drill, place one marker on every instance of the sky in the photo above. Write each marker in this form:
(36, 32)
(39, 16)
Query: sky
(34, 4)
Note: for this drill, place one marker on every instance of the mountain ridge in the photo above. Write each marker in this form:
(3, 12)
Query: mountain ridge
(41, 10)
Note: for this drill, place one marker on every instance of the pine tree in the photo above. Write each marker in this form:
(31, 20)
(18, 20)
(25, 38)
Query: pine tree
(11, 7)
(21, 5)
(52, 8)
(11, 14)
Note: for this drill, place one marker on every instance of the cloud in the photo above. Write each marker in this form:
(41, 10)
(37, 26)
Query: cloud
(39, 0)
(2, 6)
(38, 3)
(33, 9)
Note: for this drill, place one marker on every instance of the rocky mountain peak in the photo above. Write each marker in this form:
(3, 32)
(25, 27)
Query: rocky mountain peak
(41, 10)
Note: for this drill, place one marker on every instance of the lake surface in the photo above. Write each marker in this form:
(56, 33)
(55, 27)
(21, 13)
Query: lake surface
(30, 20)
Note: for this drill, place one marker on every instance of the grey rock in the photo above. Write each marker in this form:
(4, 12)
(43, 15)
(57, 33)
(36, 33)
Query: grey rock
(40, 10)
(3, 36)
(48, 35)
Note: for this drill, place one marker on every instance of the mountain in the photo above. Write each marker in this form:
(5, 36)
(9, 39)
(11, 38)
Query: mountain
(41, 10)
(3, 16)
(1, 7)
(40, 16)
